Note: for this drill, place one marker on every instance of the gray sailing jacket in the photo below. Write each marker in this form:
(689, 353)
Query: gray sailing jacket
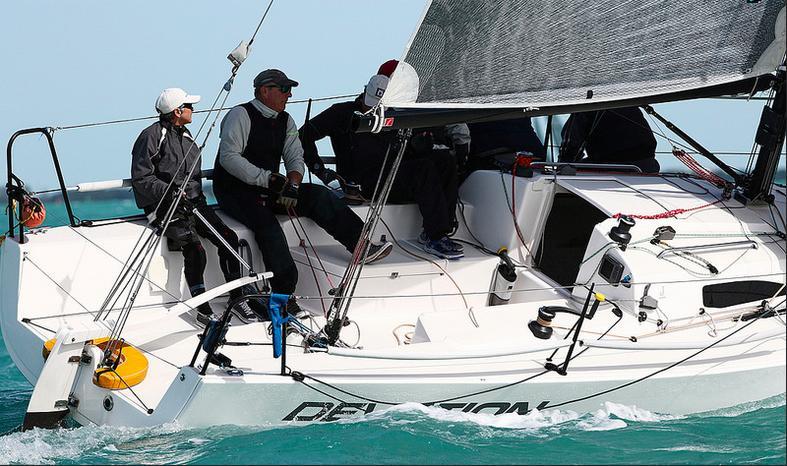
(235, 129)
(156, 160)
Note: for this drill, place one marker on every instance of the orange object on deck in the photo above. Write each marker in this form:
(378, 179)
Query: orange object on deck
(130, 371)
(33, 212)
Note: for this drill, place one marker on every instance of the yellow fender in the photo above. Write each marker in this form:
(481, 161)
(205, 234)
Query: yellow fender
(131, 370)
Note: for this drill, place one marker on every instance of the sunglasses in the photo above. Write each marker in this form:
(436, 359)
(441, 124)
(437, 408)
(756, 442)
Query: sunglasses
(283, 89)
(188, 106)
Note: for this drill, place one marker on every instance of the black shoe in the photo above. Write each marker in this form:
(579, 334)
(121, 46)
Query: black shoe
(294, 310)
(378, 251)
(249, 310)
(205, 314)
(243, 311)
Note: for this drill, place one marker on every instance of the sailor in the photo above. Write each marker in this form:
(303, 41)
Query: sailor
(434, 141)
(255, 138)
(430, 181)
(162, 157)
(496, 143)
(616, 136)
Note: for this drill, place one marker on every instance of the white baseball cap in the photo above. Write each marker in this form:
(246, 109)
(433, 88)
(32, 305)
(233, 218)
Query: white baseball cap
(375, 90)
(172, 98)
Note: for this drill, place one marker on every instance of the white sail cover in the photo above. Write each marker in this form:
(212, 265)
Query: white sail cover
(534, 53)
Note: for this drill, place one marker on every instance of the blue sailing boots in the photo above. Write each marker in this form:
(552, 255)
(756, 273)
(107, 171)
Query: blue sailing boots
(444, 247)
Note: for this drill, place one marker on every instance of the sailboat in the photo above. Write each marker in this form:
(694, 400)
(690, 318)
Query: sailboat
(587, 283)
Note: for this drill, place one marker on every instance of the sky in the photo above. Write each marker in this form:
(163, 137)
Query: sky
(69, 63)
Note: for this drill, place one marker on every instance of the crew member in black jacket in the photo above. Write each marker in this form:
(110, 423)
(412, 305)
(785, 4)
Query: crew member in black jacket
(165, 152)
(616, 136)
(430, 180)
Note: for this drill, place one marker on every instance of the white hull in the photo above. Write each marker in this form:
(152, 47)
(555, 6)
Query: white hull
(62, 274)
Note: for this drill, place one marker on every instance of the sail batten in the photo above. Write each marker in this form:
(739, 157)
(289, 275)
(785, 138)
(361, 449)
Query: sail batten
(531, 53)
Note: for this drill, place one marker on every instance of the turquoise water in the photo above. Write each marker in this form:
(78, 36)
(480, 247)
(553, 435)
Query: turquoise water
(407, 434)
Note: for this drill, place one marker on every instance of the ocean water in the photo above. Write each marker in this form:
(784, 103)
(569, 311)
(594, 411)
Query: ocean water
(407, 434)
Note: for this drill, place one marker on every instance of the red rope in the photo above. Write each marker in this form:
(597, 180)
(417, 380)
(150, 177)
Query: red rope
(293, 216)
(669, 213)
(701, 171)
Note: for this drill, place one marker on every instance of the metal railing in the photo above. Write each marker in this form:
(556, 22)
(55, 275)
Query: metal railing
(15, 192)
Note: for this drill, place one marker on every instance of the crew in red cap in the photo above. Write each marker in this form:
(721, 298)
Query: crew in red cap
(426, 176)
(387, 68)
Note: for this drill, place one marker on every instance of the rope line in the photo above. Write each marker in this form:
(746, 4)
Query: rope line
(669, 213)
(300, 377)
(109, 369)
(27, 258)
(151, 282)
(701, 171)
(311, 245)
(155, 117)
(291, 213)
(565, 287)
(664, 369)
(341, 304)
(435, 263)
(144, 265)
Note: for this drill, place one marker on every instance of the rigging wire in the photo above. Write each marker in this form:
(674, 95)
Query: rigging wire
(664, 369)
(291, 213)
(511, 204)
(28, 258)
(300, 377)
(551, 288)
(297, 218)
(443, 270)
(341, 304)
(144, 265)
(196, 112)
(478, 243)
(124, 264)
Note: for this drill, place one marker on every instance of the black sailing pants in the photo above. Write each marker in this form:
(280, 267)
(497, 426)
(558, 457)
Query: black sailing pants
(429, 181)
(184, 233)
(259, 215)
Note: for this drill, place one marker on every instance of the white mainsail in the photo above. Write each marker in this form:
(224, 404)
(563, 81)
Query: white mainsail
(531, 53)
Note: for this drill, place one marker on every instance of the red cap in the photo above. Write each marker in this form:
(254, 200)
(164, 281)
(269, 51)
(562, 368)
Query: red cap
(388, 68)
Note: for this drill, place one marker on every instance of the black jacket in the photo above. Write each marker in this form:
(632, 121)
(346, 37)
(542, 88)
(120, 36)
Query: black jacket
(156, 159)
(359, 156)
(511, 135)
(613, 136)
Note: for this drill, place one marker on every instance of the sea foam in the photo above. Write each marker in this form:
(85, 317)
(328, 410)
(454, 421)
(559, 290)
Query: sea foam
(50, 446)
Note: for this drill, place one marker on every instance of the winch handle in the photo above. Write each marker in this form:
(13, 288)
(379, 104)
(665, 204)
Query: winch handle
(502, 253)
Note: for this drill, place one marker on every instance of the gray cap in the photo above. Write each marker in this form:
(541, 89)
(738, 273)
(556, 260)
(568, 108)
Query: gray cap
(273, 76)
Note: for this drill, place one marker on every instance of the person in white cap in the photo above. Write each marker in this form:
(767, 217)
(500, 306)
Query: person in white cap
(162, 156)
(428, 180)
(255, 138)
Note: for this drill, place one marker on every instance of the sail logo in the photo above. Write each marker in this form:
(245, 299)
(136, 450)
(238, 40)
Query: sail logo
(326, 411)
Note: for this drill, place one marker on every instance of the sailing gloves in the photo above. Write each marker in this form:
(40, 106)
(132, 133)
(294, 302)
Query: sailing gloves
(289, 197)
(183, 210)
(326, 175)
(287, 191)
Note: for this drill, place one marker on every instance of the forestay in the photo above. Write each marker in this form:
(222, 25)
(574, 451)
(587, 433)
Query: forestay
(534, 53)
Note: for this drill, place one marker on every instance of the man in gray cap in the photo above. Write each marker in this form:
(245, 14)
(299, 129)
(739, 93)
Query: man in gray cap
(255, 138)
